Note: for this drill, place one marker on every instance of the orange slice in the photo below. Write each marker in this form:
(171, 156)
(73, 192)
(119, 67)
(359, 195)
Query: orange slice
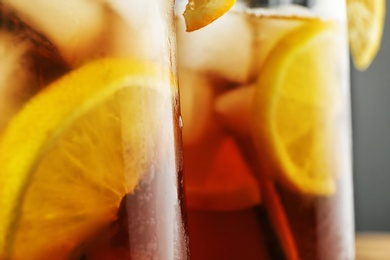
(295, 108)
(200, 13)
(72, 153)
(365, 25)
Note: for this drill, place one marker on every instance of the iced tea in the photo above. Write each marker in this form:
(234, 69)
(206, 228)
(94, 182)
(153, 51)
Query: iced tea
(89, 131)
(267, 143)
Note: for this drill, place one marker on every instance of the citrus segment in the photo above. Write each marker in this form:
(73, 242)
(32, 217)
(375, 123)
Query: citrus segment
(295, 107)
(365, 29)
(200, 13)
(228, 185)
(72, 153)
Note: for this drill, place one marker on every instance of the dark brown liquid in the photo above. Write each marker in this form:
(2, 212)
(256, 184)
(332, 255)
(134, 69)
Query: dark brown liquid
(314, 223)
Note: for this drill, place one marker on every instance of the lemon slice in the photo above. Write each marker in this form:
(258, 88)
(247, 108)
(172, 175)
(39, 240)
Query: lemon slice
(72, 153)
(365, 25)
(295, 105)
(200, 13)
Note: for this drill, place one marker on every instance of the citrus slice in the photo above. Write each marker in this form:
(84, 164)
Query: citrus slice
(295, 107)
(72, 153)
(365, 26)
(227, 183)
(200, 13)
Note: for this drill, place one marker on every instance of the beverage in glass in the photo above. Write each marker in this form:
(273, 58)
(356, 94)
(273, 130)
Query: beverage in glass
(89, 131)
(267, 141)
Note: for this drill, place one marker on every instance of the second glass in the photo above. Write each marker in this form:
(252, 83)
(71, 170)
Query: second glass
(267, 138)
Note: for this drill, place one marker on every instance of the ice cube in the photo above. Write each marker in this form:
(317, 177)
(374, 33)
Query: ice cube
(28, 63)
(234, 109)
(74, 26)
(196, 98)
(223, 48)
(333, 9)
(14, 77)
(292, 10)
(141, 29)
(269, 30)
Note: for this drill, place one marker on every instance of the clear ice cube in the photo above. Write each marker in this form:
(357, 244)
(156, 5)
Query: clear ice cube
(234, 109)
(223, 48)
(196, 96)
(74, 26)
(269, 30)
(141, 29)
(14, 77)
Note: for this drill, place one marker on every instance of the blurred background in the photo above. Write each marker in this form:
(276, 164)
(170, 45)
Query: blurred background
(371, 126)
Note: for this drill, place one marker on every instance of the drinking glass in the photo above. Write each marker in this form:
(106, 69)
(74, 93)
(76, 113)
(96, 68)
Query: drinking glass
(90, 149)
(265, 102)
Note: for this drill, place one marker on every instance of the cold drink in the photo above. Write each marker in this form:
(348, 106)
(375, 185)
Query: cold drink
(89, 131)
(267, 140)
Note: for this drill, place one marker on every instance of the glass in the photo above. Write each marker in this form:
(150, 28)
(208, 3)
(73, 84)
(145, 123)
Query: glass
(265, 102)
(90, 139)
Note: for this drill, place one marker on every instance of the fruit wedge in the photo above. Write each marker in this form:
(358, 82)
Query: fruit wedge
(200, 13)
(365, 26)
(72, 153)
(296, 102)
